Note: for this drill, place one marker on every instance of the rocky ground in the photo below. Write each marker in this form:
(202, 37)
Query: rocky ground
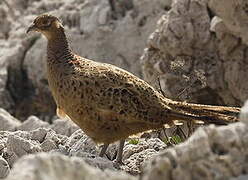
(35, 150)
(196, 48)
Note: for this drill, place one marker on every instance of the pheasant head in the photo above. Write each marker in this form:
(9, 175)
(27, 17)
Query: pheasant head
(46, 24)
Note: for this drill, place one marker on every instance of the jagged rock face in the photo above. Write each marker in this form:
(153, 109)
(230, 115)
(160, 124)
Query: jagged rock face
(199, 52)
(108, 31)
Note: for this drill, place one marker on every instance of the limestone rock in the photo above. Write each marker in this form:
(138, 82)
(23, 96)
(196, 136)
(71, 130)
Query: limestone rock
(234, 18)
(14, 145)
(210, 153)
(7, 122)
(197, 54)
(64, 126)
(59, 167)
(244, 113)
(4, 168)
(135, 155)
(32, 123)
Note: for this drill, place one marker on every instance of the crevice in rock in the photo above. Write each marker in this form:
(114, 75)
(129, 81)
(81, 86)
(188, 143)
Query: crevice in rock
(210, 13)
(19, 86)
(208, 96)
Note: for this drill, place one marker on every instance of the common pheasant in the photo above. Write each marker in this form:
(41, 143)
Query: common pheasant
(107, 102)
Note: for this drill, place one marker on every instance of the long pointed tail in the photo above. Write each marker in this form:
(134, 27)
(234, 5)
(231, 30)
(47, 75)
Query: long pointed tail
(204, 113)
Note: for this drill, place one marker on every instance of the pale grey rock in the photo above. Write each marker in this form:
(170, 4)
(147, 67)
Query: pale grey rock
(244, 113)
(95, 13)
(77, 135)
(83, 145)
(7, 122)
(5, 22)
(39, 134)
(14, 145)
(153, 143)
(58, 139)
(64, 126)
(210, 153)
(18, 146)
(98, 162)
(234, 15)
(48, 145)
(4, 168)
(241, 177)
(194, 51)
(56, 166)
(135, 155)
(32, 123)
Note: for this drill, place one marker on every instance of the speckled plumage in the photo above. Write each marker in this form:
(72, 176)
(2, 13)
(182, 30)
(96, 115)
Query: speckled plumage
(107, 102)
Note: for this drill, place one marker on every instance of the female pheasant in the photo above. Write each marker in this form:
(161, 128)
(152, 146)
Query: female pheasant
(109, 103)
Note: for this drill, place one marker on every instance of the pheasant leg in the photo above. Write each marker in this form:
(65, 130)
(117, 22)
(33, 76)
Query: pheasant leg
(103, 150)
(120, 151)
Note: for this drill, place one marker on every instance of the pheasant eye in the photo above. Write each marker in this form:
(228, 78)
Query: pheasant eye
(45, 22)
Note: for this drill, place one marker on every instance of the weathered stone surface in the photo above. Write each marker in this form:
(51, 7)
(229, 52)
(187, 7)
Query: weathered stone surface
(197, 52)
(4, 168)
(7, 122)
(234, 18)
(135, 155)
(32, 123)
(59, 167)
(64, 126)
(210, 153)
(244, 113)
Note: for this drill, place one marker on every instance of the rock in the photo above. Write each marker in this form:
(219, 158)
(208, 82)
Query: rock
(244, 113)
(18, 146)
(7, 122)
(39, 134)
(241, 177)
(64, 126)
(4, 168)
(100, 163)
(14, 145)
(135, 155)
(32, 123)
(193, 63)
(234, 18)
(56, 166)
(210, 153)
(83, 145)
(77, 135)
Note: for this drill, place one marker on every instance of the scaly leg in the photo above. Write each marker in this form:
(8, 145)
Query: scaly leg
(103, 150)
(120, 151)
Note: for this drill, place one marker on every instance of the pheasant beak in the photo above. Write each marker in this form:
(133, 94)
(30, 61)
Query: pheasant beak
(31, 28)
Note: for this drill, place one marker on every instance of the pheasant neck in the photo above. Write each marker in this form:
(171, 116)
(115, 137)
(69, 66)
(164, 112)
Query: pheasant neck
(58, 48)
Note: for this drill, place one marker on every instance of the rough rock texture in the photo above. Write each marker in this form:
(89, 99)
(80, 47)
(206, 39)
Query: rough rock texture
(7, 122)
(32, 123)
(108, 31)
(64, 126)
(135, 155)
(4, 168)
(199, 52)
(14, 145)
(59, 167)
(210, 153)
